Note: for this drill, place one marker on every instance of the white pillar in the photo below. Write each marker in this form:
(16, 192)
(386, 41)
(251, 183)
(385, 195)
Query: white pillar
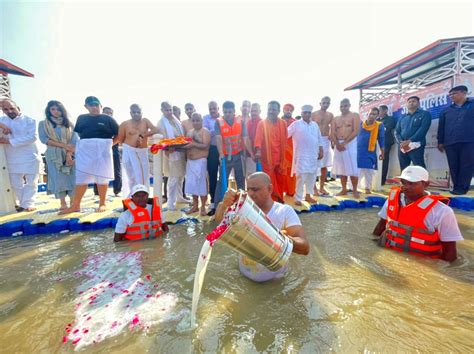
(158, 170)
(7, 197)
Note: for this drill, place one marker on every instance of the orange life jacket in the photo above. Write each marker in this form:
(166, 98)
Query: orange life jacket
(406, 229)
(143, 225)
(231, 136)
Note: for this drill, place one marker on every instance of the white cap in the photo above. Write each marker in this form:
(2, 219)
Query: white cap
(414, 174)
(139, 188)
(307, 108)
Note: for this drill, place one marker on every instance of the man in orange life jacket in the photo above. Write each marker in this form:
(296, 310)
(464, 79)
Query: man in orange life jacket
(141, 219)
(414, 221)
(231, 136)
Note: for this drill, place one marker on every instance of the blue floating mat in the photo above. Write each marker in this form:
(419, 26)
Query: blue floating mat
(375, 200)
(13, 228)
(350, 204)
(463, 203)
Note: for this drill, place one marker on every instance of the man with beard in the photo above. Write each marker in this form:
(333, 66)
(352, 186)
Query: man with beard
(289, 186)
(174, 160)
(23, 158)
(270, 145)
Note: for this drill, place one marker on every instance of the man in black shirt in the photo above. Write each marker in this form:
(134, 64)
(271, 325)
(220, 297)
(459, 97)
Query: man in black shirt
(389, 122)
(94, 153)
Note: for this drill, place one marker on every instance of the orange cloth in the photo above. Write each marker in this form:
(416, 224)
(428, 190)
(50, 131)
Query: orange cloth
(290, 181)
(271, 139)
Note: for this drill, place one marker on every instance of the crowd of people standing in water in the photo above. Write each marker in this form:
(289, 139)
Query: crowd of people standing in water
(292, 151)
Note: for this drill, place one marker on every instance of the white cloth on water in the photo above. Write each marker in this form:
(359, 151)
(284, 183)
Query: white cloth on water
(345, 162)
(25, 193)
(304, 180)
(328, 152)
(22, 153)
(196, 173)
(94, 159)
(306, 143)
(282, 216)
(135, 166)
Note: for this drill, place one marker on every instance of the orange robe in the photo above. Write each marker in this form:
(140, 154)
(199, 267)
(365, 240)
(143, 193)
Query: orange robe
(271, 139)
(290, 181)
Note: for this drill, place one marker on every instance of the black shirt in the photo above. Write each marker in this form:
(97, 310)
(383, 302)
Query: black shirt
(100, 126)
(389, 122)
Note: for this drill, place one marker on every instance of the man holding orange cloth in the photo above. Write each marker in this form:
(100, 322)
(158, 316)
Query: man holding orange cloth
(290, 181)
(270, 145)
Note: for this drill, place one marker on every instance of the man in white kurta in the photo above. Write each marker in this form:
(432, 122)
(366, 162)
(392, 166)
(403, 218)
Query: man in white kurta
(23, 159)
(174, 161)
(307, 151)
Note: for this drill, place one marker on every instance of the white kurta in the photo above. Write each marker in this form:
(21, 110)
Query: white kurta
(306, 142)
(22, 153)
(174, 164)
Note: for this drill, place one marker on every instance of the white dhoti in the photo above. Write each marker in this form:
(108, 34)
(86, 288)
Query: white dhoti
(136, 169)
(196, 173)
(94, 163)
(328, 156)
(345, 162)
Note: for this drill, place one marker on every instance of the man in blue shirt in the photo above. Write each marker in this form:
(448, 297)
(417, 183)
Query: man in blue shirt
(456, 137)
(410, 134)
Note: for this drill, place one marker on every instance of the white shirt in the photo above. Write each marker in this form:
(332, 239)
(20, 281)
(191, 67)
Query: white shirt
(126, 219)
(282, 216)
(441, 217)
(306, 142)
(22, 153)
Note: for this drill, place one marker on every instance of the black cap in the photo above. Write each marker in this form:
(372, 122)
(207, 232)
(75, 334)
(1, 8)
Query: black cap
(92, 100)
(461, 88)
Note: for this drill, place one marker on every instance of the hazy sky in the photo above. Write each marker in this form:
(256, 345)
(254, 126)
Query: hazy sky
(183, 51)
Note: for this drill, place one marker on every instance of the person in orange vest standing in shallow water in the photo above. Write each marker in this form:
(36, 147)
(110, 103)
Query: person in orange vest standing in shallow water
(141, 219)
(270, 144)
(417, 222)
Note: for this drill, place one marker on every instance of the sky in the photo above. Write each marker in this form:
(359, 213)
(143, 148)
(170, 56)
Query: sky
(196, 51)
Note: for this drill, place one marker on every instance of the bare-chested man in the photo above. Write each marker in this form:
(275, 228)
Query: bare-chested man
(324, 120)
(345, 129)
(189, 110)
(196, 166)
(133, 135)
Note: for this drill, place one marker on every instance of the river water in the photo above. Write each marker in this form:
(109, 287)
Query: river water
(347, 295)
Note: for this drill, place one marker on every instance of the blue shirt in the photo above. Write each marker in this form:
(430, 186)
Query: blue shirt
(456, 124)
(413, 126)
(210, 124)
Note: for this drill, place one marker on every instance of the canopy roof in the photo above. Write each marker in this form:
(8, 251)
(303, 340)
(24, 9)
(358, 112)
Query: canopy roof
(429, 58)
(9, 68)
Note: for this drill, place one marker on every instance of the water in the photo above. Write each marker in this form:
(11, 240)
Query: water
(347, 295)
